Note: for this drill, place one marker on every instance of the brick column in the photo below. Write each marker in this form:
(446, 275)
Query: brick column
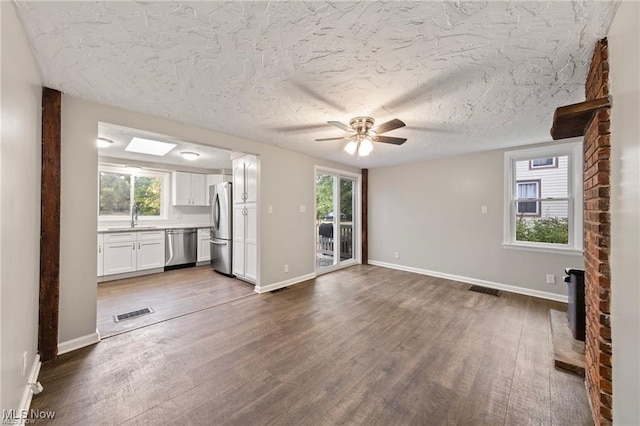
(597, 243)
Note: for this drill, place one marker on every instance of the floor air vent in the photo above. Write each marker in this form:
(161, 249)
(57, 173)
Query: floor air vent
(132, 314)
(278, 290)
(486, 290)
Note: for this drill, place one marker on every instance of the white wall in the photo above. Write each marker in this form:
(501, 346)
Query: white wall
(287, 181)
(624, 74)
(430, 212)
(20, 160)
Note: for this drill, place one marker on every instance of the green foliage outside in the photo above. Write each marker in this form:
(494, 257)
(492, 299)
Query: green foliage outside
(147, 195)
(324, 196)
(115, 194)
(543, 230)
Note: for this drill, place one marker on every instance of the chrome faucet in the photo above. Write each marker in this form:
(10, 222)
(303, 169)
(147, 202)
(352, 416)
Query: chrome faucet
(134, 215)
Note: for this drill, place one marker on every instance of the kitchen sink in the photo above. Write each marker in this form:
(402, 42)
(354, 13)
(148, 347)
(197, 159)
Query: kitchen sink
(128, 228)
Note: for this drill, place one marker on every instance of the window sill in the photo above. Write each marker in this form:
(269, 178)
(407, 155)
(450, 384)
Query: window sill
(542, 249)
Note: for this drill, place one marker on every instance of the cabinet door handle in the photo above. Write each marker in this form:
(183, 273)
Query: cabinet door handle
(134, 246)
(138, 246)
(99, 249)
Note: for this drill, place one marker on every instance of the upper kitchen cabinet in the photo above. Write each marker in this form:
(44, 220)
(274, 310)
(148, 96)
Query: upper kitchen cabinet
(188, 189)
(245, 179)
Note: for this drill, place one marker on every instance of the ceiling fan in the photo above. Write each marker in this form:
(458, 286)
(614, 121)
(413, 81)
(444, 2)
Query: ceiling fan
(363, 134)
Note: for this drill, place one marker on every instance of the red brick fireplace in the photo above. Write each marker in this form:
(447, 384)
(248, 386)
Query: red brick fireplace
(597, 242)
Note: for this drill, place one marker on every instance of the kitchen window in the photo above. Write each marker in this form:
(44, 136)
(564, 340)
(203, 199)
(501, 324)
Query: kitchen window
(120, 188)
(543, 199)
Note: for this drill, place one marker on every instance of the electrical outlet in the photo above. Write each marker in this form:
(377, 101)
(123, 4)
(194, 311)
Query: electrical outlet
(484, 210)
(396, 255)
(24, 364)
(303, 209)
(551, 279)
(270, 209)
(286, 268)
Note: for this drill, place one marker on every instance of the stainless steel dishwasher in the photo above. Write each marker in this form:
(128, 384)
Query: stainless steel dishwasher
(180, 247)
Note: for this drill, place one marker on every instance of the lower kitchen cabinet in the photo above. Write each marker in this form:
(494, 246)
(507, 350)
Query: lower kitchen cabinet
(100, 256)
(150, 253)
(245, 239)
(132, 251)
(119, 257)
(204, 247)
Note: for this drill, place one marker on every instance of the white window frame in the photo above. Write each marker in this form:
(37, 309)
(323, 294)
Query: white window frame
(538, 184)
(554, 163)
(164, 193)
(571, 149)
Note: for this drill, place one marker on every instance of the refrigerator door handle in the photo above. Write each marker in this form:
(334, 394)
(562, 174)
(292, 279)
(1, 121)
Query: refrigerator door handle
(217, 212)
(220, 243)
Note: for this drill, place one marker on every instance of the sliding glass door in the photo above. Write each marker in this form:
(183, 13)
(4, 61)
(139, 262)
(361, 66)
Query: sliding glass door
(336, 220)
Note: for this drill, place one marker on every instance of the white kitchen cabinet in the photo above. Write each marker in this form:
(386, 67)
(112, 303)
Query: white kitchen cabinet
(150, 250)
(204, 247)
(245, 217)
(245, 179)
(100, 255)
(251, 241)
(119, 253)
(125, 252)
(188, 189)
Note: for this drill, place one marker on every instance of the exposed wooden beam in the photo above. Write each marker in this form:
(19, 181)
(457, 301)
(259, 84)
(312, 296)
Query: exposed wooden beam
(365, 217)
(50, 224)
(572, 120)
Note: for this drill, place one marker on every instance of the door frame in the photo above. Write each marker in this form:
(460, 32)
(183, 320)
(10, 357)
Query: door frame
(357, 231)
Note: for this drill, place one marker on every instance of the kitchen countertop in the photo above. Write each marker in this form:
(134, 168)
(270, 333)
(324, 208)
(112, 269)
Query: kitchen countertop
(111, 229)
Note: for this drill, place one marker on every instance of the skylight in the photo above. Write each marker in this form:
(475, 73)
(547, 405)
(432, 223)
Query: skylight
(148, 146)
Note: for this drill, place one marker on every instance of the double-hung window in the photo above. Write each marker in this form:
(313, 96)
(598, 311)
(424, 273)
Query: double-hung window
(528, 189)
(120, 189)
(543, 198)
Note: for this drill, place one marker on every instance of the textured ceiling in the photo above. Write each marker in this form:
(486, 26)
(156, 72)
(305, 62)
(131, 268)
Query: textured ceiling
(464, 76)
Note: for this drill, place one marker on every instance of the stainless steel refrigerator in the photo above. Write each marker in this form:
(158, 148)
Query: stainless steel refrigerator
(221, 227)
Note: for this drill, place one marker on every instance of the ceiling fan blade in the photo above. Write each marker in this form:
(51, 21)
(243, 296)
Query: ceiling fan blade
(340, 125)
(331, 139)
(389, 125)
(389, 139)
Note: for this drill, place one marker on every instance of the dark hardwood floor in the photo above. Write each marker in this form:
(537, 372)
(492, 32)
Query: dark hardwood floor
(363, 345)
(169, 294)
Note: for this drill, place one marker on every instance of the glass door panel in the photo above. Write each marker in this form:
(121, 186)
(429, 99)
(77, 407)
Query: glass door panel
(325, 186)
(345, 218)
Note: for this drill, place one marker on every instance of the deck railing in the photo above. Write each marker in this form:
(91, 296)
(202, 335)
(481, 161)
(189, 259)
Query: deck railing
(325, 242)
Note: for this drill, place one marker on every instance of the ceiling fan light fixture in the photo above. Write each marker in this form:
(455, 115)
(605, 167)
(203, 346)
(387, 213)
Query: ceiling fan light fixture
(365, 147)
(189, 155)
(351, 147)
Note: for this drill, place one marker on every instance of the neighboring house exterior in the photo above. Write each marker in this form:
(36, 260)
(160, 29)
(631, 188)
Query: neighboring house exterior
(539, 179)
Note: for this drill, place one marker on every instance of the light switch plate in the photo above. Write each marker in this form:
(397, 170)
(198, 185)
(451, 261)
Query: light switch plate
(303, 209)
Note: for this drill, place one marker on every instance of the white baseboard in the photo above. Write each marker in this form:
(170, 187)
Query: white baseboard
(77, 343)
(27, 395)
(490, 284)
(287, 283)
